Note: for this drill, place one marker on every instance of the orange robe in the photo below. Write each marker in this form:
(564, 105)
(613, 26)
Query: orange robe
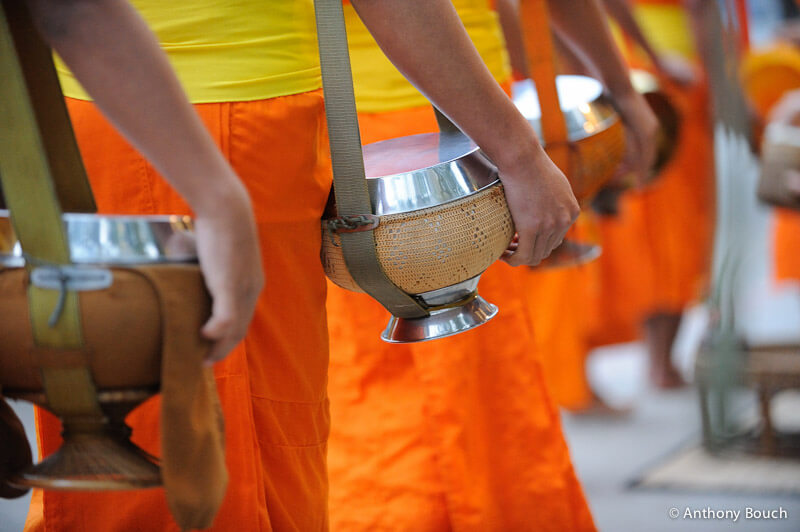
(562, 303)
(455, 434)
(786, 243)
(273, 385)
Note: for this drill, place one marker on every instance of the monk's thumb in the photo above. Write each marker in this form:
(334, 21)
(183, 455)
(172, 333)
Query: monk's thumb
(218, 325)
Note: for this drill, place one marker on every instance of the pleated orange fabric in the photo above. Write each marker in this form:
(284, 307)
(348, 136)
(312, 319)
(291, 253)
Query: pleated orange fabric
(562, 303)
(457, 434)
(273, 385)
(625, 284)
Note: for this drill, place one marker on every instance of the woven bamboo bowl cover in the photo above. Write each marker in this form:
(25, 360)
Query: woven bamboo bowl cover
(438, 246)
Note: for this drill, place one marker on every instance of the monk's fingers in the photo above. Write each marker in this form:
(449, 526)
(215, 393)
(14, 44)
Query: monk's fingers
(542, 248)
(226, 327)
(524, 251)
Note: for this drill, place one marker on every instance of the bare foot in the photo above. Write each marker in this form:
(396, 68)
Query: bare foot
(666, 377)
(660, 331)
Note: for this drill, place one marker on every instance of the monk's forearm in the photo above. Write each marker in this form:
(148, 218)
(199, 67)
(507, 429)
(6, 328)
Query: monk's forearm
(118, 60)
(703, 15)
(590, 34)
(428, 44)
(508, 13)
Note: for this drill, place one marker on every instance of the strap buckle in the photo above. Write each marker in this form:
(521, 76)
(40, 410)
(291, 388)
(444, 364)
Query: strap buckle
(69, 278)
(353, 224)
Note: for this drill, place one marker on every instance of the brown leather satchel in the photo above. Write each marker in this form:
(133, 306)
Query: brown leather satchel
(780, 152)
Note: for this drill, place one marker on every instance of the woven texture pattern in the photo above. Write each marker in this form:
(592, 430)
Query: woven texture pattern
(594, 160)
(433, 248)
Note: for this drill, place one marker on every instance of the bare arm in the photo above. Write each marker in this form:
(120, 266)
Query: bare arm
(507, 11)
(445, 66)
(117, 59)
(589, 34)
(621, 11)
(670, 67)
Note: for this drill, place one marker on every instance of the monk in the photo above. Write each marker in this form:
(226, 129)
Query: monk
(656, 250)
(458, 433)
(226, 234)
(564, 301)
(251, 69)
(673, 216)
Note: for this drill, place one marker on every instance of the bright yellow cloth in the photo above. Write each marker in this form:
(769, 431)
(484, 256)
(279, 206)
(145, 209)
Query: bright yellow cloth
(379, 87)
(668, 27)
(227, 51)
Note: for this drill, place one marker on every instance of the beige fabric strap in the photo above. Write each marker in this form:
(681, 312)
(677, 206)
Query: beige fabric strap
(192, 431)
(58, 140)
(534, 19)
(444, 123)
(30, 159)
(349, 181)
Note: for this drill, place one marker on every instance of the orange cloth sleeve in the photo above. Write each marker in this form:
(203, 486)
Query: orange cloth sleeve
(272, 386)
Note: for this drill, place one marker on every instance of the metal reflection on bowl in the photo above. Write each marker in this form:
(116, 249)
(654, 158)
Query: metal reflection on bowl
(113, 239)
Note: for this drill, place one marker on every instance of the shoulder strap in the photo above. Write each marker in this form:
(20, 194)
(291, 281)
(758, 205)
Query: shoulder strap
(33, 157)
(349, 181)
(534, 20)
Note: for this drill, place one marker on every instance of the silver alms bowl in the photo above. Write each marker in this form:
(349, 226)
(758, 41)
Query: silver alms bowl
(113, 240)
(443, 221)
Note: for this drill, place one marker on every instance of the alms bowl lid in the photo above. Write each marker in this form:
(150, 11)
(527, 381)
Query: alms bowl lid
(420, 171)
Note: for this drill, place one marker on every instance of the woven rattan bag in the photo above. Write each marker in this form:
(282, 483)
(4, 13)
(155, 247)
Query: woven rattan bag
(433, 248)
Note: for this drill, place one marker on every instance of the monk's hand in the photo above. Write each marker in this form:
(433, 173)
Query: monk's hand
(227, 246)
(542, 206)
(641, 133)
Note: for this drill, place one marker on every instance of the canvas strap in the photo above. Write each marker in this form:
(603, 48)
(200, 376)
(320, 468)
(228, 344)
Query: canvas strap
(349, 181)
(534, 20)
(40, 165)
(444, 123)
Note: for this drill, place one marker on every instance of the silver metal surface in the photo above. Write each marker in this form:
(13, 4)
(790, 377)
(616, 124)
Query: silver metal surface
(570, 253)
(114, 240)
(472, 312)
(643, 81)
(441, 323)
(449, 294)
(410, 173)
(587, 110)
